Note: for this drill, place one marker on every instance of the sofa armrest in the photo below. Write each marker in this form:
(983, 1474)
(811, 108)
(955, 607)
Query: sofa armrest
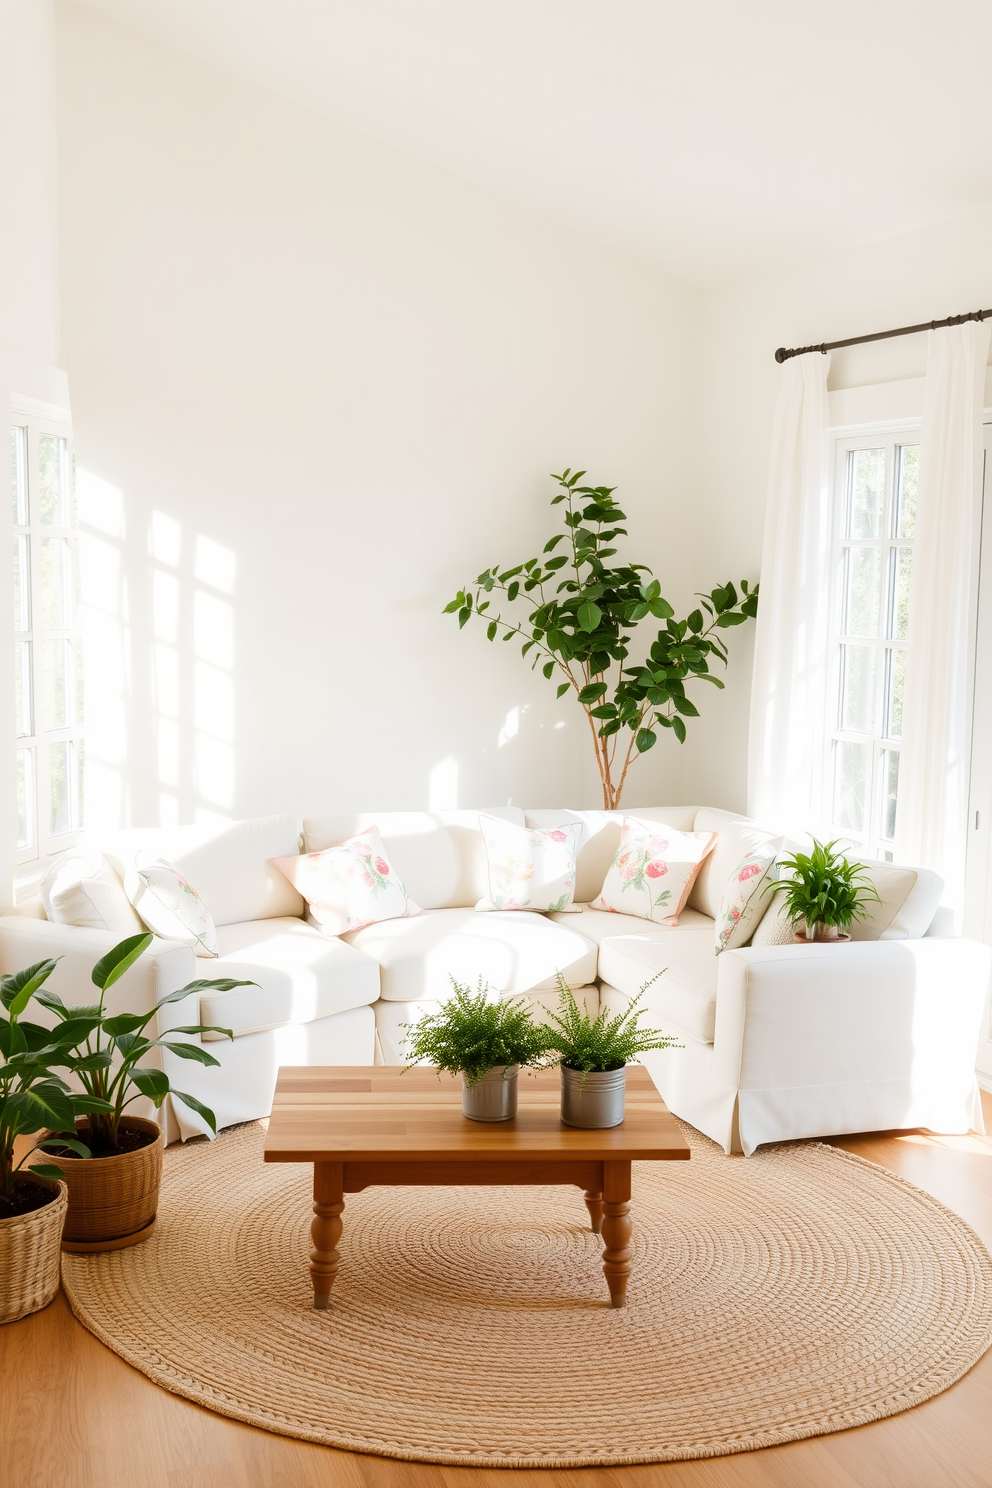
(166, 966)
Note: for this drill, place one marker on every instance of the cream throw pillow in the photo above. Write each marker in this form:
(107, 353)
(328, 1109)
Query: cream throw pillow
(349, 885)
(654, 870)
(169, 906)
(530, 867)
(83, 889)
(745, 899)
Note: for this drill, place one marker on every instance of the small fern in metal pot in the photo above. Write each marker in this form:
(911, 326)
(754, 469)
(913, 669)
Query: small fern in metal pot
(605, 1042)
(472, 1033)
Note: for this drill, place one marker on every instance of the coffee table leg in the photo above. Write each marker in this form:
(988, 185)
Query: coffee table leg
(594, 1203)
(616, 1229)
(325, 1231)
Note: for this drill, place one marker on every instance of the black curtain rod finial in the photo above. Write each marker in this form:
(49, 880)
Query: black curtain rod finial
(783, 354)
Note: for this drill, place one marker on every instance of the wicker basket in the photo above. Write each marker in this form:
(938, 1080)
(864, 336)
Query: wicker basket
(29, 1254)
(112, 1200)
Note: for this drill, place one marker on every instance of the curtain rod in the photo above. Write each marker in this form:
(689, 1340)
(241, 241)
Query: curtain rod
(783, 354)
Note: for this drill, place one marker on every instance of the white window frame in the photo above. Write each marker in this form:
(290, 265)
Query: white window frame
(871, 842)
(40, 742)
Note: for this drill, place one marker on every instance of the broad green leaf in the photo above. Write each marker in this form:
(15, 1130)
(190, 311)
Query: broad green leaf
(73, 1031)
(152, 1083)
(203, 984)
(589, 615)
(124, 1023)
(553, 542)
(48, 1170)
(17, 989)
(513, 590)
(695, 621)
(684, 706)
(606, 710)
(84, 1104)
(53, 1001)
(645, 740)
(491, 629)
(100, 1060)
(548, 669)
(203, 1028)
(79, 1148)
(42, 1105)
(201, 1110)
(731, 617)
(195, 1052)
(111, 967)
(678, 728)
(593, 691)
(463, 616)
(563, 688)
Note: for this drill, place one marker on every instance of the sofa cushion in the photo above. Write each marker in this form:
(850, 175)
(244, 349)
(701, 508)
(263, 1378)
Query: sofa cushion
(392, 1018)
(440, 856)
(170, 906)
(511, 950)
(529, 867)
(736, 837)
(83, 889)
(685, 996)
(301, 976)
(600, 838)
(350, 885)
(654, 870)
(746, 898)
(228, 863)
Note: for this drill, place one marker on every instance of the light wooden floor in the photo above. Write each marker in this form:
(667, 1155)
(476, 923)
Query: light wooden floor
(73, 1415)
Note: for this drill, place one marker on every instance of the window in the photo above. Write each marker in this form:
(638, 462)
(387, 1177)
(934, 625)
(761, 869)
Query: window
(874, 514)
(47, 650)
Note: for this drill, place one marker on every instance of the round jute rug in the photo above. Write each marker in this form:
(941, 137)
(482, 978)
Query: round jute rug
(793, 1293)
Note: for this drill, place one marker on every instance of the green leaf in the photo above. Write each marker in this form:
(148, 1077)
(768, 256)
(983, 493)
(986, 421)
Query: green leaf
(83, 1105)
(563, 688)
(17, 989)
(684, 706)
(111, 967)
(548, 668)
(49, 1170)
(79, 1148)
(731, 617)
(678, 728)
(124, 1023)
(513, 590)
(491, 629)
(190, 1051)
(645, 740)
(553, 543)
(554, 564)
(43, 1105)
(695, 621)
(152, 1083)
(100, 1060)
(606, 710)
(463, 616)
(593, 691)
(199, 1108)
(589, 615)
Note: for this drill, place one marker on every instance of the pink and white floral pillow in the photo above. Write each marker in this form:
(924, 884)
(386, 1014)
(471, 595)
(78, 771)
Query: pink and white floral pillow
(169, 906)
(349, 885)
(745, 900)
(530, 867)
(654, 870)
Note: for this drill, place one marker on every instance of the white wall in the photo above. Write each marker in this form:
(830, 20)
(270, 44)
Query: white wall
(926, 275)
(349, 373)
(29, 303)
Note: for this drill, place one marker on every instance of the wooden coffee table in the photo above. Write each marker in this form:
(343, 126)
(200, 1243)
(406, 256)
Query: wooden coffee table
(363, 1126)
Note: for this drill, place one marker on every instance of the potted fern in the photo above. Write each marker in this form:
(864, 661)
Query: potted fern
(111, 1161)
(594, 1054)
(487, 1041)
(824, 893)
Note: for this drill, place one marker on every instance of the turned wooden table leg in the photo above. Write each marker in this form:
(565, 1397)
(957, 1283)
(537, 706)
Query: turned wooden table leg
(325, 1231)
(594, 1203)
(616, 1230)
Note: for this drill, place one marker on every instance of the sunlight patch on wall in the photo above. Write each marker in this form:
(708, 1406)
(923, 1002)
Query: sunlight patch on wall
(442, 793)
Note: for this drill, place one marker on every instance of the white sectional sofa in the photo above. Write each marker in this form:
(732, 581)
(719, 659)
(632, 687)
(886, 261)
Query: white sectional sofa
(779, 1041)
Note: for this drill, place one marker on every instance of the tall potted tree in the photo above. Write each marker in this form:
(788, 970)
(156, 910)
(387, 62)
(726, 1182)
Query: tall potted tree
(112, 1162)
(579, 616)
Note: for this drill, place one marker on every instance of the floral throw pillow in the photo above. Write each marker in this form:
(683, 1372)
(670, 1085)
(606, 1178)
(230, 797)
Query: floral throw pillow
(654, 871)
(745, 900)
(530, 867)
(169, 906)
(349, 885)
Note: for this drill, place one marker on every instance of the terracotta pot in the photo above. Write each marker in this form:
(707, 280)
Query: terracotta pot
(29, 1254)
(112, 1200)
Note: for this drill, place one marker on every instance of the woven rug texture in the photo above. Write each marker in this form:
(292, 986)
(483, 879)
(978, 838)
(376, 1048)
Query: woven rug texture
(796, 1292)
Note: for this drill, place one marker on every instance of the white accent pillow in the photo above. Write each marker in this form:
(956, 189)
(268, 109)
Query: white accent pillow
(349, 885)
(169, 906)
(654, 870)
(83, 889)
(745, 899)
(530, 867)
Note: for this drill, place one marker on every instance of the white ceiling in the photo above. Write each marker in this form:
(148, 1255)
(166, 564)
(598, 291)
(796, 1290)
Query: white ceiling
(717, 139)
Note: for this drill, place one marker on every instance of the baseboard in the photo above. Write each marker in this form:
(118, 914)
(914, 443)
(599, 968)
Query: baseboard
(984, 1081)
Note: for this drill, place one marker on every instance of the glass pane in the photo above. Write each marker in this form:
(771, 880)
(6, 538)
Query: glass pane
(902, 569)
(890, 791)
(850, 779)
(858, 683)
(867, 475)
(52, 471)
(59, 787)
(55, 588)
(25, 798)
(56, 661)
(908, 478)
(22, 582)
(22, 687)
(19, 474)
(896, 692)
(862, 589)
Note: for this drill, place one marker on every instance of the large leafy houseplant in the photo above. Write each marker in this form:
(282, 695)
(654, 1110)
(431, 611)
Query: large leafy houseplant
(470, 1034)
(105, 1050)
(32, 1096)
(824, 891)
(580, 618)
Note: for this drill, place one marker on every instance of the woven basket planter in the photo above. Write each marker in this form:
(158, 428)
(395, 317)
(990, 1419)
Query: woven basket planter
(29, 1255)
(112, 1200)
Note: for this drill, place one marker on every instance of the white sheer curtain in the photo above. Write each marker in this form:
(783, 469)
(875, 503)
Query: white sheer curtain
(789, 686)
(932, 817)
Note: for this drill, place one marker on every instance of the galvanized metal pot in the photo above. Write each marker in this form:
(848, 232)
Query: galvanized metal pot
(494, 1097)
(594, 1099)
